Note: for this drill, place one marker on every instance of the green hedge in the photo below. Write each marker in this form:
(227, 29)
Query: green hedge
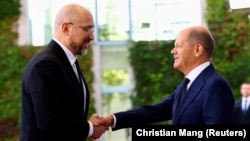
(231, 33)
(11, 70)
(152, 65)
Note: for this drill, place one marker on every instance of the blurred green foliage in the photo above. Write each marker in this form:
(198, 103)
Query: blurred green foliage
(10, 71)
(9, 14)
(153, 70)
(9, 9)
(230, 29)
(12, 66)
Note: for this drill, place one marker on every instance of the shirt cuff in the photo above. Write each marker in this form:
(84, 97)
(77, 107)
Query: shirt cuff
(90, 129)
(113, 126)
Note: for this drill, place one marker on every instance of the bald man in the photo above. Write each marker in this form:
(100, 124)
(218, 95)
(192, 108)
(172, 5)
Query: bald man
(208, 99)
(55, 95)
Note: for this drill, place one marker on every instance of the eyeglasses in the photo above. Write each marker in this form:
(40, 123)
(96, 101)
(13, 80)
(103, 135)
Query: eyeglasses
(88, 29)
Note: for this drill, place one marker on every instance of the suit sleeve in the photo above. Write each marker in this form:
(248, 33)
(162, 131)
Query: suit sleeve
(147, 114)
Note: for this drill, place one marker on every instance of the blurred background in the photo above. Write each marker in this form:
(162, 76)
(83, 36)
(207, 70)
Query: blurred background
(129, 63)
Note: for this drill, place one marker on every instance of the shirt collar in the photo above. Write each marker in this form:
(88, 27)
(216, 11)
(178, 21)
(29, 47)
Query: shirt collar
(71, 57)
(246, 98)
(195, 72)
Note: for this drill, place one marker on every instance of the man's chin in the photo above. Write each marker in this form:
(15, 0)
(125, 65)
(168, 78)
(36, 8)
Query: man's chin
(175, 66)
(84, 52)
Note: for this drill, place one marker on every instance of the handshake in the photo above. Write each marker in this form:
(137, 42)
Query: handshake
(100, 124)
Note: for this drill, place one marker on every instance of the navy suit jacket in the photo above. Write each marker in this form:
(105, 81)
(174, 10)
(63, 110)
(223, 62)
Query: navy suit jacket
(208, 101)
(240, 117)
(52, 99)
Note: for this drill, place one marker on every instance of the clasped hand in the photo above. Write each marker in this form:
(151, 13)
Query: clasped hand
(100, 124)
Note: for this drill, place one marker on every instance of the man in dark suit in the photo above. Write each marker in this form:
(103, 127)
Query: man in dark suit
(208, 99)
(55, 96)
(241, 108)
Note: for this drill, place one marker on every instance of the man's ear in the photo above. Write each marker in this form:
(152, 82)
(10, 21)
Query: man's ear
(66, 28)
(199, 50)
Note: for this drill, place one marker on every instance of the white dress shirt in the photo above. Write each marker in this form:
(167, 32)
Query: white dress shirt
(245, 103)
(195, 72)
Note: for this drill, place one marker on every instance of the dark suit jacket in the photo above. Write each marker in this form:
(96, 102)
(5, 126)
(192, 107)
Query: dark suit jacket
(240, 117)
(52, 99)
(208, 101)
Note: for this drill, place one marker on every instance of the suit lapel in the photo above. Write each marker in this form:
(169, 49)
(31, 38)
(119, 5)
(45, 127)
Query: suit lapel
(192, 92)
(67, 68)
(177, 97)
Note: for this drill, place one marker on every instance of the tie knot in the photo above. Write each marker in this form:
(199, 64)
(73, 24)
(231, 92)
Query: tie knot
(77, 64)
(186, 81)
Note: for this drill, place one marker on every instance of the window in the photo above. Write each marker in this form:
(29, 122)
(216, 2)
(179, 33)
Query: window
(113, 20)
(163, 19)
(120, 20)
(41, 15)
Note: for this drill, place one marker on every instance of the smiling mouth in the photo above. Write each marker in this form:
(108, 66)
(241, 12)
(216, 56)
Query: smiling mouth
(175, 59)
